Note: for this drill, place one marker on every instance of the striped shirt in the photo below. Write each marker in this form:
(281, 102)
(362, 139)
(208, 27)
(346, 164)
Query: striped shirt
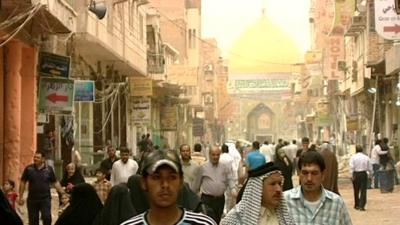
(188, 218)
(330, 210)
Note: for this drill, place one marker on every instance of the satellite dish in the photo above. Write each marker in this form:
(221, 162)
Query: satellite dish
(99, 9)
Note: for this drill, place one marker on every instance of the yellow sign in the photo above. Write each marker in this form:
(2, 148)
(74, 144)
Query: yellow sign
(141, 86)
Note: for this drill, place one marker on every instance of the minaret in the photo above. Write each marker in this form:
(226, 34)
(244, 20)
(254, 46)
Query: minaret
(263, 8)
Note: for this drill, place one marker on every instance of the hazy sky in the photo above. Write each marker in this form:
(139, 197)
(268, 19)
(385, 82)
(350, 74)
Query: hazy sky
(226, 19)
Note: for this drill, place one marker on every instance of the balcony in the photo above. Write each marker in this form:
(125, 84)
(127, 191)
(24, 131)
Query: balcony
(111, 40)
(155, 63)
(357, 25)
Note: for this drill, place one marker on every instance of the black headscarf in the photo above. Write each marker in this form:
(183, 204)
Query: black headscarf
(117, 208)
(7, 214)
(85, 205)
(138, 196)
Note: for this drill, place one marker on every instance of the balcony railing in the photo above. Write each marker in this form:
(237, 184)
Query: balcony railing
(155, 63)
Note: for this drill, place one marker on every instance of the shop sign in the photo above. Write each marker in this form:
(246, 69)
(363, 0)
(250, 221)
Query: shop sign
(169, 118)
(54, 65)
(141, 87)
(84, 91)
(55, 94)
(141, 110)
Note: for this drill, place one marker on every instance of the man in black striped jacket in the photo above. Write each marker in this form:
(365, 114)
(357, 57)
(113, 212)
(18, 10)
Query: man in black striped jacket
(162, 178)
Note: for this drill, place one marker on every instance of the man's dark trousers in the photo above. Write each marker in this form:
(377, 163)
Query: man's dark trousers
(360, 182)
(217, 203)
(42, 206)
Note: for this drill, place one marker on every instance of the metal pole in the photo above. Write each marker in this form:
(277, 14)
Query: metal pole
(373, 114)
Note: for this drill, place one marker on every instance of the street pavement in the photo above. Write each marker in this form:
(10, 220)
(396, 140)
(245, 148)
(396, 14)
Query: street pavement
(382, 209)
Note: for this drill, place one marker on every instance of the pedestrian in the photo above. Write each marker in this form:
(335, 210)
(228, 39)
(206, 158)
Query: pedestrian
(117, 208)
(213, 180)
(7, 213)
(65, 198)
(255, 158)
(107, 163)
(228, 160)
(285, 166)
(123, 168)
(198, 156)
(9, 191)
(311, 203)
(71, 177)
(84, 206)
(262, 200)
(40, 177)
(386, 169)
(330, 181)
(375, 162)
(360, 169)
(102, 185)
(189, 167)
(162, 179)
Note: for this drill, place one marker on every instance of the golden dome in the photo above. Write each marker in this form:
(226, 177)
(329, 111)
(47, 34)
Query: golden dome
(263, 48)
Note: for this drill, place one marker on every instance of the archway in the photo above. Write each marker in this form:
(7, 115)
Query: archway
(261, 125)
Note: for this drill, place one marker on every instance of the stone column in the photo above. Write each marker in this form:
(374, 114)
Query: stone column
(12, 110)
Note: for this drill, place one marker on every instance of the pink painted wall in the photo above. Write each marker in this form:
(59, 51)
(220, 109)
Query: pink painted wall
(18, 115)
(12, 110)
(28, 105)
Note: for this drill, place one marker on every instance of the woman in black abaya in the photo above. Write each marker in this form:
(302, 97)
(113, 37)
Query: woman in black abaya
(84, 206)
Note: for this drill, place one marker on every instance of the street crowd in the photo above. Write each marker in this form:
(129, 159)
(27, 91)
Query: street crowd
(224, 184)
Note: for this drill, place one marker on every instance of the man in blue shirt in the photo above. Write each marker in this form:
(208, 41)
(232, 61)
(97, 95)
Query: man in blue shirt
(255, 158)
(310, 203)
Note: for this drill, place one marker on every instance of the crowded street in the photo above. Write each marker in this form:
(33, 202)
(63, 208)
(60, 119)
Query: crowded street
(199, 112)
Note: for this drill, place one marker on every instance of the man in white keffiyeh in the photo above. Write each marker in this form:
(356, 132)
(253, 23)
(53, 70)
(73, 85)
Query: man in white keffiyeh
(262, 202)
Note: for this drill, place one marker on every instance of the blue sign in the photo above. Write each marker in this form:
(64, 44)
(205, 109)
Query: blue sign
(84, 91)
(54, 65)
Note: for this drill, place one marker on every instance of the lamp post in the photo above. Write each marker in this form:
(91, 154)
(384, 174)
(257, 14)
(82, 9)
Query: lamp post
(375, 92)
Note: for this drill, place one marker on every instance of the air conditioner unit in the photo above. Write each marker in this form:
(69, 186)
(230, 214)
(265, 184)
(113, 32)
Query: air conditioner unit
(359, 21)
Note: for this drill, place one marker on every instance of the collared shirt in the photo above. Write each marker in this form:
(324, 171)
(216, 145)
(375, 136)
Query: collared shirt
(214, 180)
(102, 189)
(267, 217)
(120, 171)
(359, 163)
(331, 209)
(190, 170)
(39, 180)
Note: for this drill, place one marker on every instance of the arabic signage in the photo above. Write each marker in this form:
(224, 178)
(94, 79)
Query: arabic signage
(141, 110)
(168, 118)
(141, 87)
(387, 22)
(55, 94)
(84, 91)
(255, 83)
(54, 65)
(198, 127)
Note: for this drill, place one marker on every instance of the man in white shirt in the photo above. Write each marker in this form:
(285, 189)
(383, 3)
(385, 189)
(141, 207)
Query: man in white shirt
(360, 169)
(123, 168)
(375, 162)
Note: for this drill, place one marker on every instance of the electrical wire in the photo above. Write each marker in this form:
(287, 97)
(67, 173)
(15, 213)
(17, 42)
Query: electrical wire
(16, 31)
(11, 20)
(216, 46)
(109, 112)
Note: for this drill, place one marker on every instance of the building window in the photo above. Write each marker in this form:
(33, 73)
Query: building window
(192, 38)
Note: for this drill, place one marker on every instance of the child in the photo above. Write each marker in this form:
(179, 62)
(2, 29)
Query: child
(64, 203)
(12, 196)
(102, 185)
